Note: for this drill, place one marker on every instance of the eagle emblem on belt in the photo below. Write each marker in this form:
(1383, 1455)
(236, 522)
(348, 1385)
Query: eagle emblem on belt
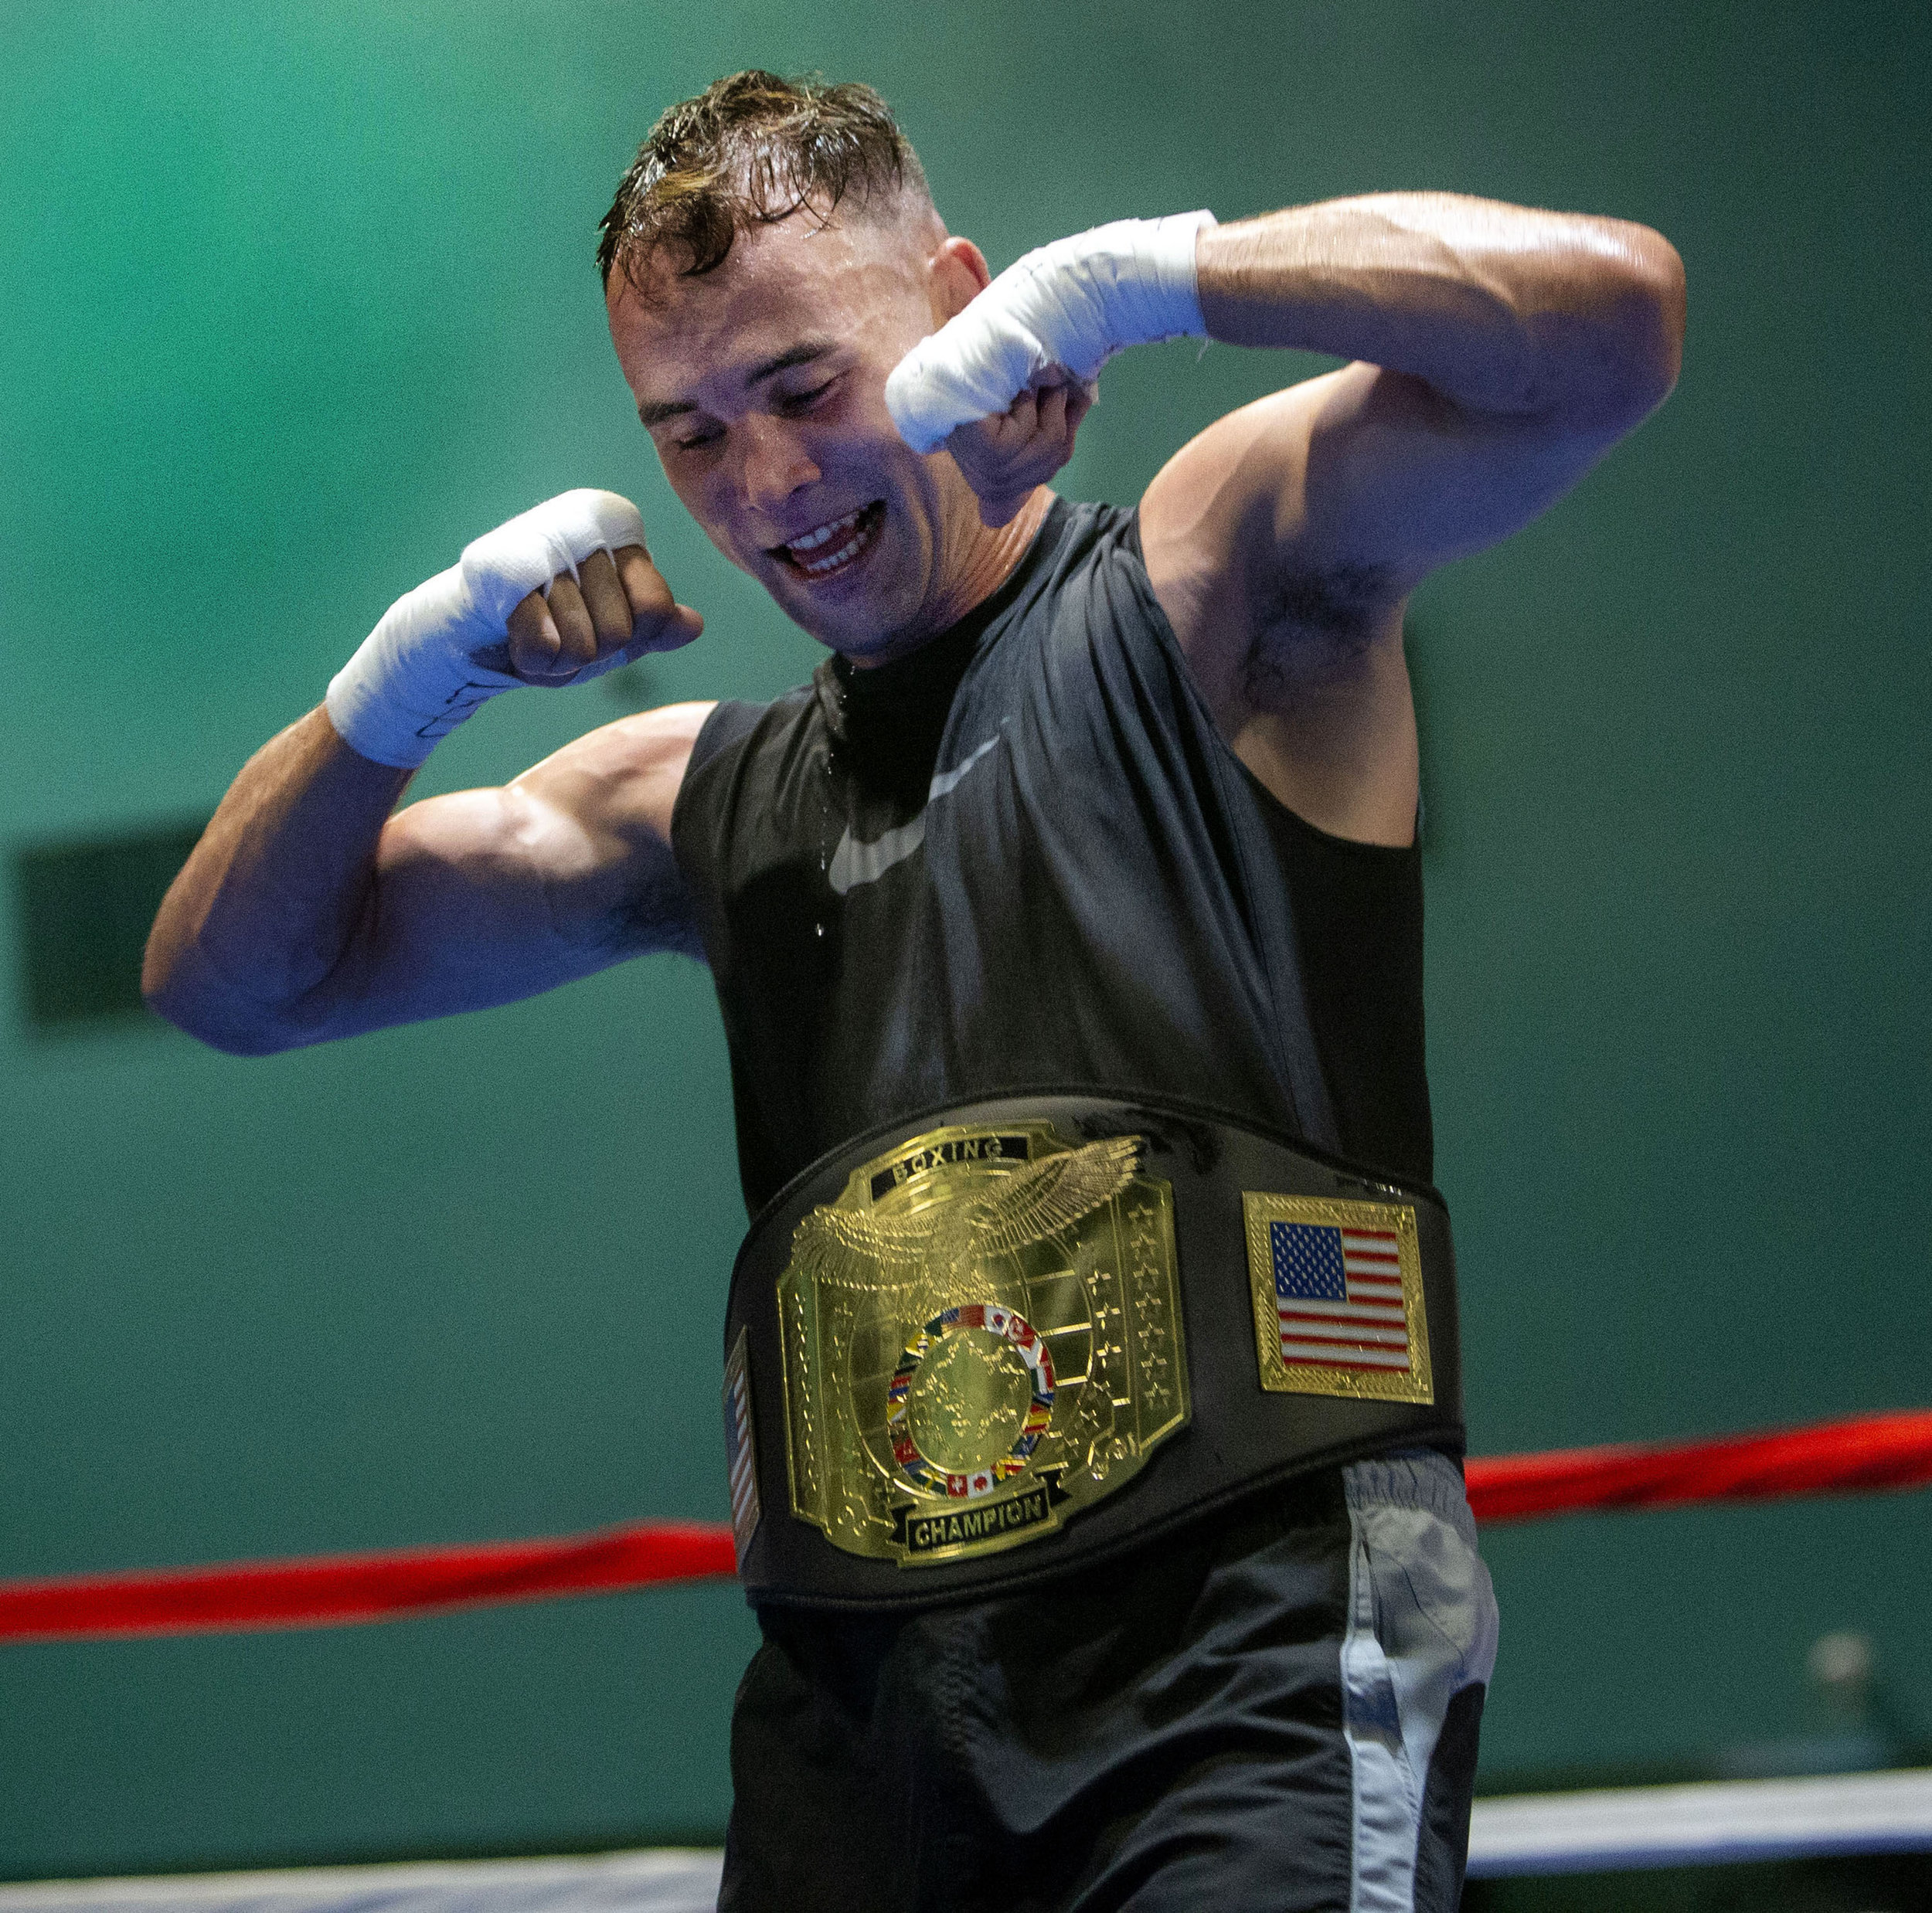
(981, 1336)
(949, 1238)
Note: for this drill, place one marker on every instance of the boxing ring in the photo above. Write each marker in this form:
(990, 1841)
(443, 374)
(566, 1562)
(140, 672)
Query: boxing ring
(1536, 1833)
(1701, 1824)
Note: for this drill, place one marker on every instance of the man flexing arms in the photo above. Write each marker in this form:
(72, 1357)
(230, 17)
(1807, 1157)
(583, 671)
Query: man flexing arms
(1094, 831)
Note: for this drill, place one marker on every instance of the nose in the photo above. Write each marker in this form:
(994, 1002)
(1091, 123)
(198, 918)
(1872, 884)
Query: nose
(776, 463)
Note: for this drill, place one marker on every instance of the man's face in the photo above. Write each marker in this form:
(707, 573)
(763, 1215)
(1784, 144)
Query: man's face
(763, 385)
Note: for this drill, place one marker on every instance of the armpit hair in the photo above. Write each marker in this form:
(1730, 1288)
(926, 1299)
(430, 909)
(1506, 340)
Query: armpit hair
(656, 915)
(1316, 626)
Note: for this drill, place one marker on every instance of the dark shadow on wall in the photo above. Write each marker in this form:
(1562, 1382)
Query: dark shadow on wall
(82, 910)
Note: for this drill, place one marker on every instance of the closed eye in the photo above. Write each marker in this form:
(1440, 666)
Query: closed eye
(804, 401)
(790, 404)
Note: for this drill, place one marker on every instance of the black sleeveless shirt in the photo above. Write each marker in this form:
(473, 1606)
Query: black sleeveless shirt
(1023, 857)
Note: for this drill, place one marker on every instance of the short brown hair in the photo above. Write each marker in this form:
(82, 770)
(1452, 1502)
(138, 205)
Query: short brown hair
(750, 150)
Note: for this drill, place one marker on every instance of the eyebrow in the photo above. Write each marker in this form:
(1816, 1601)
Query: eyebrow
(802, 354)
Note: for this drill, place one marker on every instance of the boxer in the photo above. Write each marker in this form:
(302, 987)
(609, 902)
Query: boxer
(1066, 930)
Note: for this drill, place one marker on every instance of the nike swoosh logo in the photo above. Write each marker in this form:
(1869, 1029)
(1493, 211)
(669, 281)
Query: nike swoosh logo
(854, 863)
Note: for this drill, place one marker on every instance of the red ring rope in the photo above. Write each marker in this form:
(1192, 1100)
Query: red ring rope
(1862, 1453)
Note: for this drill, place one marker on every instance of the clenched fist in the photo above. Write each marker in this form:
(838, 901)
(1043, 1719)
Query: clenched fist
(617, 608)
(560, 594)
(1004, 383)
(1004, 457)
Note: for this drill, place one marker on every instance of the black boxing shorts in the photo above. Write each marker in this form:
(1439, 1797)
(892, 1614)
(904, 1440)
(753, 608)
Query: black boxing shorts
(1277, 1707)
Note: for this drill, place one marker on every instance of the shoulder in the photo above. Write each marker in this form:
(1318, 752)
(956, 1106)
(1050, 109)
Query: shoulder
(624, 775)
(750, 766)
(1088, 586)
(1292, 631)
(1088, 538)
(1240, 549)
(727, 726)
(656, 740)
(737, 734)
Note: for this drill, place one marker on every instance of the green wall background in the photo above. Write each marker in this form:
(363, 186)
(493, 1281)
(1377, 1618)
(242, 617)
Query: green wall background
(298, 298)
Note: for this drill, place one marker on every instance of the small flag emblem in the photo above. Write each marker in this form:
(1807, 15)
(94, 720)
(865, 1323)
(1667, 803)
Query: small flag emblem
(1338, 1297)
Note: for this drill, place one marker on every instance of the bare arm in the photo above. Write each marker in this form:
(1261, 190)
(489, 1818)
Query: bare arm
(1502, 309)
(1500, 351)
(275, 892)
(307, 911)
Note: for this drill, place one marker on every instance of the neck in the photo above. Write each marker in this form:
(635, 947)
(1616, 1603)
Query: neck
(989, 563)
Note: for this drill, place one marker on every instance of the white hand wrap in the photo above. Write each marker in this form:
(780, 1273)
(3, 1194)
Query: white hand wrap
(1073, 303)
(442, 650)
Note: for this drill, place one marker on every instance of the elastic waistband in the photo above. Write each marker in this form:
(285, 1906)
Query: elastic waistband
(1418, 1478)
(988, 1345)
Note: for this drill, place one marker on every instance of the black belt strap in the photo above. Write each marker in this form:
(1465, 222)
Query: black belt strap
(1239, 1435)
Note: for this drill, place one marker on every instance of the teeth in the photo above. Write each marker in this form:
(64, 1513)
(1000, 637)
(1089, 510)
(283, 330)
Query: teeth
(812, 540)
(816, 541)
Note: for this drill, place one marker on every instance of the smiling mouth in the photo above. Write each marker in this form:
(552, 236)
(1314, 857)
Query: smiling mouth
(834, 547)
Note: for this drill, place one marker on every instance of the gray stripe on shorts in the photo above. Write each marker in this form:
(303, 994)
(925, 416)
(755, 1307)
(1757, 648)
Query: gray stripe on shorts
(1422, 1625)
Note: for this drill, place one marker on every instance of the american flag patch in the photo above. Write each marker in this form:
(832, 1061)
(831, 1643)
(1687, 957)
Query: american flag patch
(739, 1451)
(1339, 1294)
(1338, 1297)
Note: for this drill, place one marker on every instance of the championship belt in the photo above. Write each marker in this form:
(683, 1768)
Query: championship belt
(983, 1346)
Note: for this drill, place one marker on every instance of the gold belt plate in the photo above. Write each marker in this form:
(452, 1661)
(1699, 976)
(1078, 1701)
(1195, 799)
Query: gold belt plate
(982, 1336)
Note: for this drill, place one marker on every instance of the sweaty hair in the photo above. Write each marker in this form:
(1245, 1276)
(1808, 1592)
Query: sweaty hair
(750, 150)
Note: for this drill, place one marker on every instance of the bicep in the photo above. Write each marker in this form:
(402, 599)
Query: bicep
(1394, 475)
(1366, 475)
(484, 897)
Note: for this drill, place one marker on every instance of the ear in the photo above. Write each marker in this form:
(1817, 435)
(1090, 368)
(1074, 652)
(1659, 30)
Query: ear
(956, 275)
